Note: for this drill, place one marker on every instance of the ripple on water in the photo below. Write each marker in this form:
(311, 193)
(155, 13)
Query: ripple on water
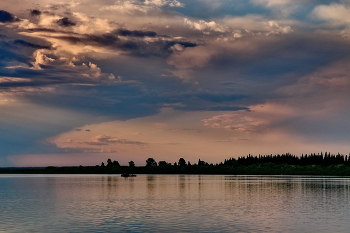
(173, 203)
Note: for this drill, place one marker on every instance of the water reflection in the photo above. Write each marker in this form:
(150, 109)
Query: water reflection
(173, 203)
(151, 186)
(182, 188)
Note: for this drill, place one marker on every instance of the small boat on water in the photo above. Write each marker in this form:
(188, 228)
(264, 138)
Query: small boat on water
(125, 174)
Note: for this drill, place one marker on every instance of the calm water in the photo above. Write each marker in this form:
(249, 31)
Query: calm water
(173, 203)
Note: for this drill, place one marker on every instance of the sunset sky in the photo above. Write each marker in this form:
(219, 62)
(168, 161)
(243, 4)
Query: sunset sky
(83, 81)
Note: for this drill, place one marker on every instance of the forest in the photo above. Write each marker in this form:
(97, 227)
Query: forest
(280, 164)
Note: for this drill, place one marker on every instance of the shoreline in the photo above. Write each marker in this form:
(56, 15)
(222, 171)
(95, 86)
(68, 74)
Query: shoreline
(255, 169)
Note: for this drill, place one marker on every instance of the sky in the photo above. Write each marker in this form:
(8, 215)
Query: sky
(83, 81)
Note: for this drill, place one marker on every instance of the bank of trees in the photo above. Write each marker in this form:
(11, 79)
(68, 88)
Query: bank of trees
(321, 159)
(287, 164)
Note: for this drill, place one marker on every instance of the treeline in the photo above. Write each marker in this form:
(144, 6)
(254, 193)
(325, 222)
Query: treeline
(286, 164)
(321, 159)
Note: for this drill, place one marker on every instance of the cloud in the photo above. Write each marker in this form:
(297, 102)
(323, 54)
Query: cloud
(135, 33)
(335, 13)
(159, 46)
(128, 7)
(270, 3)
(94, 35)
(35, 12)
(258, 119)
(28, 44)
(202, 25)
(277, 29)
(135, 43)
(226, 40)
(17, 52)
(258, 25)
(106, 140)
(136, 7)
(65, 22)
(286, 9)
(29, 124)
(191, 58)
(64, 5)
(325, 89)
(98, 144)
(213, 59)
(45, 70)
(6, 17)
(160, 3)
(313, 108)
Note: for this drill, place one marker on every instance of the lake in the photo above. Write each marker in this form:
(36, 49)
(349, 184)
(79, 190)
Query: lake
(173, 203)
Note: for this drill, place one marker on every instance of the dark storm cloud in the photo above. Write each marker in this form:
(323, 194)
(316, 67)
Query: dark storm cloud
(31, 45)
(272, 60)
(186, 44)
(6, 17)
(17, 51)
(47, 75)
(16, 128)
(43, 30)
(95, 40)
(35, 12)
(159, 47)
(65, 22)
(16, 62)
(299, 55)
(276, 62)
(124, 101)
(131, 41)
(9, 54)
(104, 39)
(135, 33)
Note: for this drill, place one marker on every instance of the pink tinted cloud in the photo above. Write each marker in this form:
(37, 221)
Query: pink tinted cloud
(260, 118)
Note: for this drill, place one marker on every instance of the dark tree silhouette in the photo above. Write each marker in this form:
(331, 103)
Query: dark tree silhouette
(109, 163)
(202, 163)
(150, 162)
(116, 164)
(182, 162)
(163, 163)
(131, 164)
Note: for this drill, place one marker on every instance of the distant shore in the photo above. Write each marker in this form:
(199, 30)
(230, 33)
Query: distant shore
(285, 164)
(255, 169)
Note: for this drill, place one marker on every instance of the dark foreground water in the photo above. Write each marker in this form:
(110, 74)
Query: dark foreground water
(173, 203)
